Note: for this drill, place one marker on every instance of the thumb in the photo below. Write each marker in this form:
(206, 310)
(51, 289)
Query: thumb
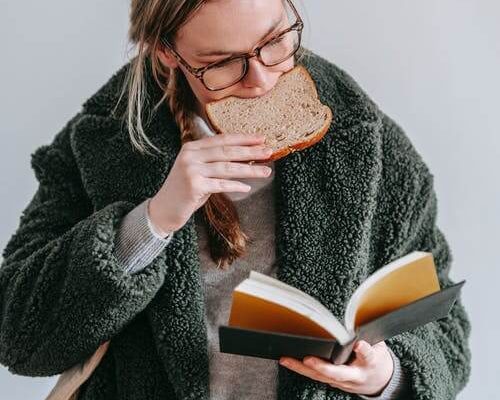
(364, 351)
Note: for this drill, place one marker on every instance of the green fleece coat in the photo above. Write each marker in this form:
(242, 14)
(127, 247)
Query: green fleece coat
(346, 206)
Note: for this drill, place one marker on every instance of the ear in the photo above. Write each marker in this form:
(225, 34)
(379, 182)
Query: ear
(166, 57)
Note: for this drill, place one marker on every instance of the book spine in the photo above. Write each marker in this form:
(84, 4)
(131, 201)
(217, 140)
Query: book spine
(341, 354)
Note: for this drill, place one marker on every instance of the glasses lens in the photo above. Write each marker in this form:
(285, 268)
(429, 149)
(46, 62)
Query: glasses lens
(224, 75)
(281, 48)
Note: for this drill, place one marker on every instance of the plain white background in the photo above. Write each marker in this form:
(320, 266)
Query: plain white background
(431, 65)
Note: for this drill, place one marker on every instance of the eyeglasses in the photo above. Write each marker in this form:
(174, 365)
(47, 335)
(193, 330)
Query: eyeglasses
(229, 71)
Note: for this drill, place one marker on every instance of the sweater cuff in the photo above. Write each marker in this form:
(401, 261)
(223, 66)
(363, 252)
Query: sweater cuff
(396, 386)
(137, 243)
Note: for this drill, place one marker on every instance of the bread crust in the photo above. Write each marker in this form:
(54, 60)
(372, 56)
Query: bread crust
(301, 144)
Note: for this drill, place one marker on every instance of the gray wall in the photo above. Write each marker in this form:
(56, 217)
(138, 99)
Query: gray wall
(431, 65)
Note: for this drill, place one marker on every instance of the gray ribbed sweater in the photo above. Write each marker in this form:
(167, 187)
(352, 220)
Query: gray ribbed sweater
(249, 377)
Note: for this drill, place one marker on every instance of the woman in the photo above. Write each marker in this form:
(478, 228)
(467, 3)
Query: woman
(136, 231)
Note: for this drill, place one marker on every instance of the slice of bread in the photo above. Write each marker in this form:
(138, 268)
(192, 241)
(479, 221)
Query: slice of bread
(290, 115)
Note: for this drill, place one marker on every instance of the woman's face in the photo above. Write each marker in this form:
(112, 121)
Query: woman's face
(231, 26)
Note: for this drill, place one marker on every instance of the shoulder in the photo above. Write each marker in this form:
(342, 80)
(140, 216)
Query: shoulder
(405, 181)
(53, 160)
(355, 106)
(356, 113)
(404, 168)
(105, 99)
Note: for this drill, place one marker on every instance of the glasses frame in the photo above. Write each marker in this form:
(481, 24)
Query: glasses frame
(199, 72)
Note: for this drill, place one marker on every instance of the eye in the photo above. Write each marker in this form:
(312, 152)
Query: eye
(204, 63)
(223, 62)
(276, 41)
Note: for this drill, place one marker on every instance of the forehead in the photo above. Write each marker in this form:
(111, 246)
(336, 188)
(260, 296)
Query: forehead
(237, 24)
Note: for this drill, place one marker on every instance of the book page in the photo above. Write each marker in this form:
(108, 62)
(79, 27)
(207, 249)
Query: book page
(291, 300)
(260, 279)
(400, 284)
(252, 312)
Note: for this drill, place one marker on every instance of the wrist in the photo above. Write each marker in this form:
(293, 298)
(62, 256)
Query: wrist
(387, 381)
(157, 220)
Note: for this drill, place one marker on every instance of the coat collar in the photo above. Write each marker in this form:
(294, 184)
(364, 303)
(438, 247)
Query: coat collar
(324, 196)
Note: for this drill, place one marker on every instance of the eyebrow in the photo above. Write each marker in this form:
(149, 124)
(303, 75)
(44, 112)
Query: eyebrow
(228, 52)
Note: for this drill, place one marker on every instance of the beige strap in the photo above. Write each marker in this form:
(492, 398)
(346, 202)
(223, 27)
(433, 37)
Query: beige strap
(69, 381)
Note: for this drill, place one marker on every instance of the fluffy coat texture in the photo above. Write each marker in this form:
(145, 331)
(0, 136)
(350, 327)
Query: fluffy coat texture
(346, 206)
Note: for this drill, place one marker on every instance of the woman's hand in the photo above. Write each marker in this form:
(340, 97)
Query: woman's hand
(205, 166)
(368, 374)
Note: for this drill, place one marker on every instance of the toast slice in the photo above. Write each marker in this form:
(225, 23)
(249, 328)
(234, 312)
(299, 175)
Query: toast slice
(290, 115)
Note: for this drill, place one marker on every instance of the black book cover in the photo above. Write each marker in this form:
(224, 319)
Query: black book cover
(273, 345)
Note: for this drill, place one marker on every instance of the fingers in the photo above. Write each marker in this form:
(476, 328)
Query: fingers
(301, 368)
(228, 147)
(214, 185)
(234, 153)
(225, 139)
(234, 170)
(337, 373)
(324, 371)
(368, 373)
(364, 351)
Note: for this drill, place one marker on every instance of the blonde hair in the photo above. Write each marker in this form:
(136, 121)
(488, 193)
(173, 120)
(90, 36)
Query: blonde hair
(150, 20)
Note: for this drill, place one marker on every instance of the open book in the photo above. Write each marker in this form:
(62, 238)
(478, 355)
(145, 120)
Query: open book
(270, 319)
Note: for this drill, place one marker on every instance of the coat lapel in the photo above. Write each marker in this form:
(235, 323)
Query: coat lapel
(324, 198)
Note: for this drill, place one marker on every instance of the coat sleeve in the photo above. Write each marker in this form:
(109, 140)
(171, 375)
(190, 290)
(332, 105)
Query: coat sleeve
(62, 290)
(435, 357)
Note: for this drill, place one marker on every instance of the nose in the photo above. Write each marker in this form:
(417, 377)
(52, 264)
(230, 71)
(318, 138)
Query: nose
(257, 75)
